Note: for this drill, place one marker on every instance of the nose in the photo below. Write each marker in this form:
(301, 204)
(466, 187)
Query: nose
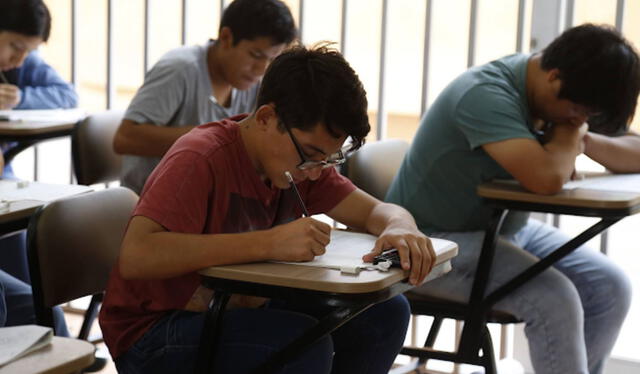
(260, 66)
(18, 59)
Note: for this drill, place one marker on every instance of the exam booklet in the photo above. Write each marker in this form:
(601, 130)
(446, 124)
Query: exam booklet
(18, 341)
(346, 248)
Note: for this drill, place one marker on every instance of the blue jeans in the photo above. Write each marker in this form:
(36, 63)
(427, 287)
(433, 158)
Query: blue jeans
(368, 343)
(573, 311)
(16, 299)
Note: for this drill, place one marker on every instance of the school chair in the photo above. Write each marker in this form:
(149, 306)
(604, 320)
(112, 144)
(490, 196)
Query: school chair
(94, 160)
(372, 168)
(72, 244)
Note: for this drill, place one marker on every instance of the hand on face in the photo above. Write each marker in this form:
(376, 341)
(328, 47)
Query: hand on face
(9, 96)
(571, 133)
(415, 250)
(300, 240)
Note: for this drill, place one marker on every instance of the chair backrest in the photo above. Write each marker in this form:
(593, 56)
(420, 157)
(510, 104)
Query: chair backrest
(94, 160)
(373, 167)
(73, 244)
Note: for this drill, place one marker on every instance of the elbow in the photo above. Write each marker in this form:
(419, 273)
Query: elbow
(120, 141)
(72, 99)
(129, 264)
(129, 270)
(549, 185)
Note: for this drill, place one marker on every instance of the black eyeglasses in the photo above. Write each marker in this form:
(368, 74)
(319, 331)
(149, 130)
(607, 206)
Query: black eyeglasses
(306, 164)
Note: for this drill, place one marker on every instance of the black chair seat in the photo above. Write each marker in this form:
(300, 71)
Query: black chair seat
(440, 307)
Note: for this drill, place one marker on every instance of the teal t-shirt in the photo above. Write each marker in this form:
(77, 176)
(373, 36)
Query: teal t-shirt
(438, 178)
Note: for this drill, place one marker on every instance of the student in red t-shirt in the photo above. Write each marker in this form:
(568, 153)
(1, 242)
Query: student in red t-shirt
(220, 196)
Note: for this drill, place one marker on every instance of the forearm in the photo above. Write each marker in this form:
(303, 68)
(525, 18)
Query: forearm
(561, 159)
(144, 139)
(558, 163)
(164, 254)
(618, 154)
(385, 216)
(48, 97)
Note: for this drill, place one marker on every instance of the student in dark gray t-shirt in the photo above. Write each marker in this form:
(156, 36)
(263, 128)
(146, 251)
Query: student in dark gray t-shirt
(192, 85)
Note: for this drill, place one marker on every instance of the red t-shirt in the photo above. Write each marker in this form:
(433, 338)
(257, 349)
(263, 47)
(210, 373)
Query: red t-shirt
(204, 184)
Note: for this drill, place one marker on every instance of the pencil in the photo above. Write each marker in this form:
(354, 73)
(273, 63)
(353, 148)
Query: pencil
(295, 189)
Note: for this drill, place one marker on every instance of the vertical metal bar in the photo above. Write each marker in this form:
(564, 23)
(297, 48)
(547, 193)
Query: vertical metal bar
(604, 242)
(568, 15)
(74, 61)
(300, 18)
(74, 42)
(620, 5)
(556, 220)
(458, 335)
(381, 118)
(522, 7)
(343, 26)
(223, 5)
(426, 52)
(185, 16)
(414, 330)
(35, 163)
(147, 31)
(473, 22)
(110, 27)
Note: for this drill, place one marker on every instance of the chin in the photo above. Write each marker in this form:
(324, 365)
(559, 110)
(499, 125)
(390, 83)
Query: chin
(243, 85)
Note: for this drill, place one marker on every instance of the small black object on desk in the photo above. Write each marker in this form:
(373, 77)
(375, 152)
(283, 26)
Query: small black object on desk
(390, 255)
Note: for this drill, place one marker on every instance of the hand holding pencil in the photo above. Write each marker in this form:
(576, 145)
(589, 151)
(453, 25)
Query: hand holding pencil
(9, 93)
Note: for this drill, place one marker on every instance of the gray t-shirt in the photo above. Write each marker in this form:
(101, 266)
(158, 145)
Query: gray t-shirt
(177, 92)
(439, 176)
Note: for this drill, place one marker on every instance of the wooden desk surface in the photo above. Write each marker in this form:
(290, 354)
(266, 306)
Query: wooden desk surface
(20, 209)
(35, 195)
(27, 129)
(577, 197)
(324, 279)
(38, 122)
(305, 277)
(62, 356)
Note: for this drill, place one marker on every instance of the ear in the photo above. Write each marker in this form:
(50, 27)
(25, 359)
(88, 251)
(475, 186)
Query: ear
(266, 117)
(553, 75)
(225, 38)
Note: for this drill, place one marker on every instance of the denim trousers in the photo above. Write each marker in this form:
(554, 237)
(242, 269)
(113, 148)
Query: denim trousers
(368, 343)
(572, 311)
(16, 299)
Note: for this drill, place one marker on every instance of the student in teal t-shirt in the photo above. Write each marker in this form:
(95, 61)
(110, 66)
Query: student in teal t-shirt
(525, 117)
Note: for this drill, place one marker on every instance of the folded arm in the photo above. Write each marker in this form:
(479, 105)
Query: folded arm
(145, 139)
(542, 169)
(619, 154)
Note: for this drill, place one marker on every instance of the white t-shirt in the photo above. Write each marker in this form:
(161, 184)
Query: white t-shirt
(177, 92)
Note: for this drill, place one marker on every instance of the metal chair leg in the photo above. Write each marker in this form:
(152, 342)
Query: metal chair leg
(431, 337)
(488, 355)
(210, 333)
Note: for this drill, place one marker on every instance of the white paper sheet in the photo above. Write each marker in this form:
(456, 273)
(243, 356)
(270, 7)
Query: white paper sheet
(18, 341)
(10, 191)
(615, 182)
(24, 117)
(346, 249)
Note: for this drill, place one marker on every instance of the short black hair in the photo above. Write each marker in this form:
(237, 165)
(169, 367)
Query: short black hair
(316, 85)
(598, 69)
(251, 19)
(26, 17)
